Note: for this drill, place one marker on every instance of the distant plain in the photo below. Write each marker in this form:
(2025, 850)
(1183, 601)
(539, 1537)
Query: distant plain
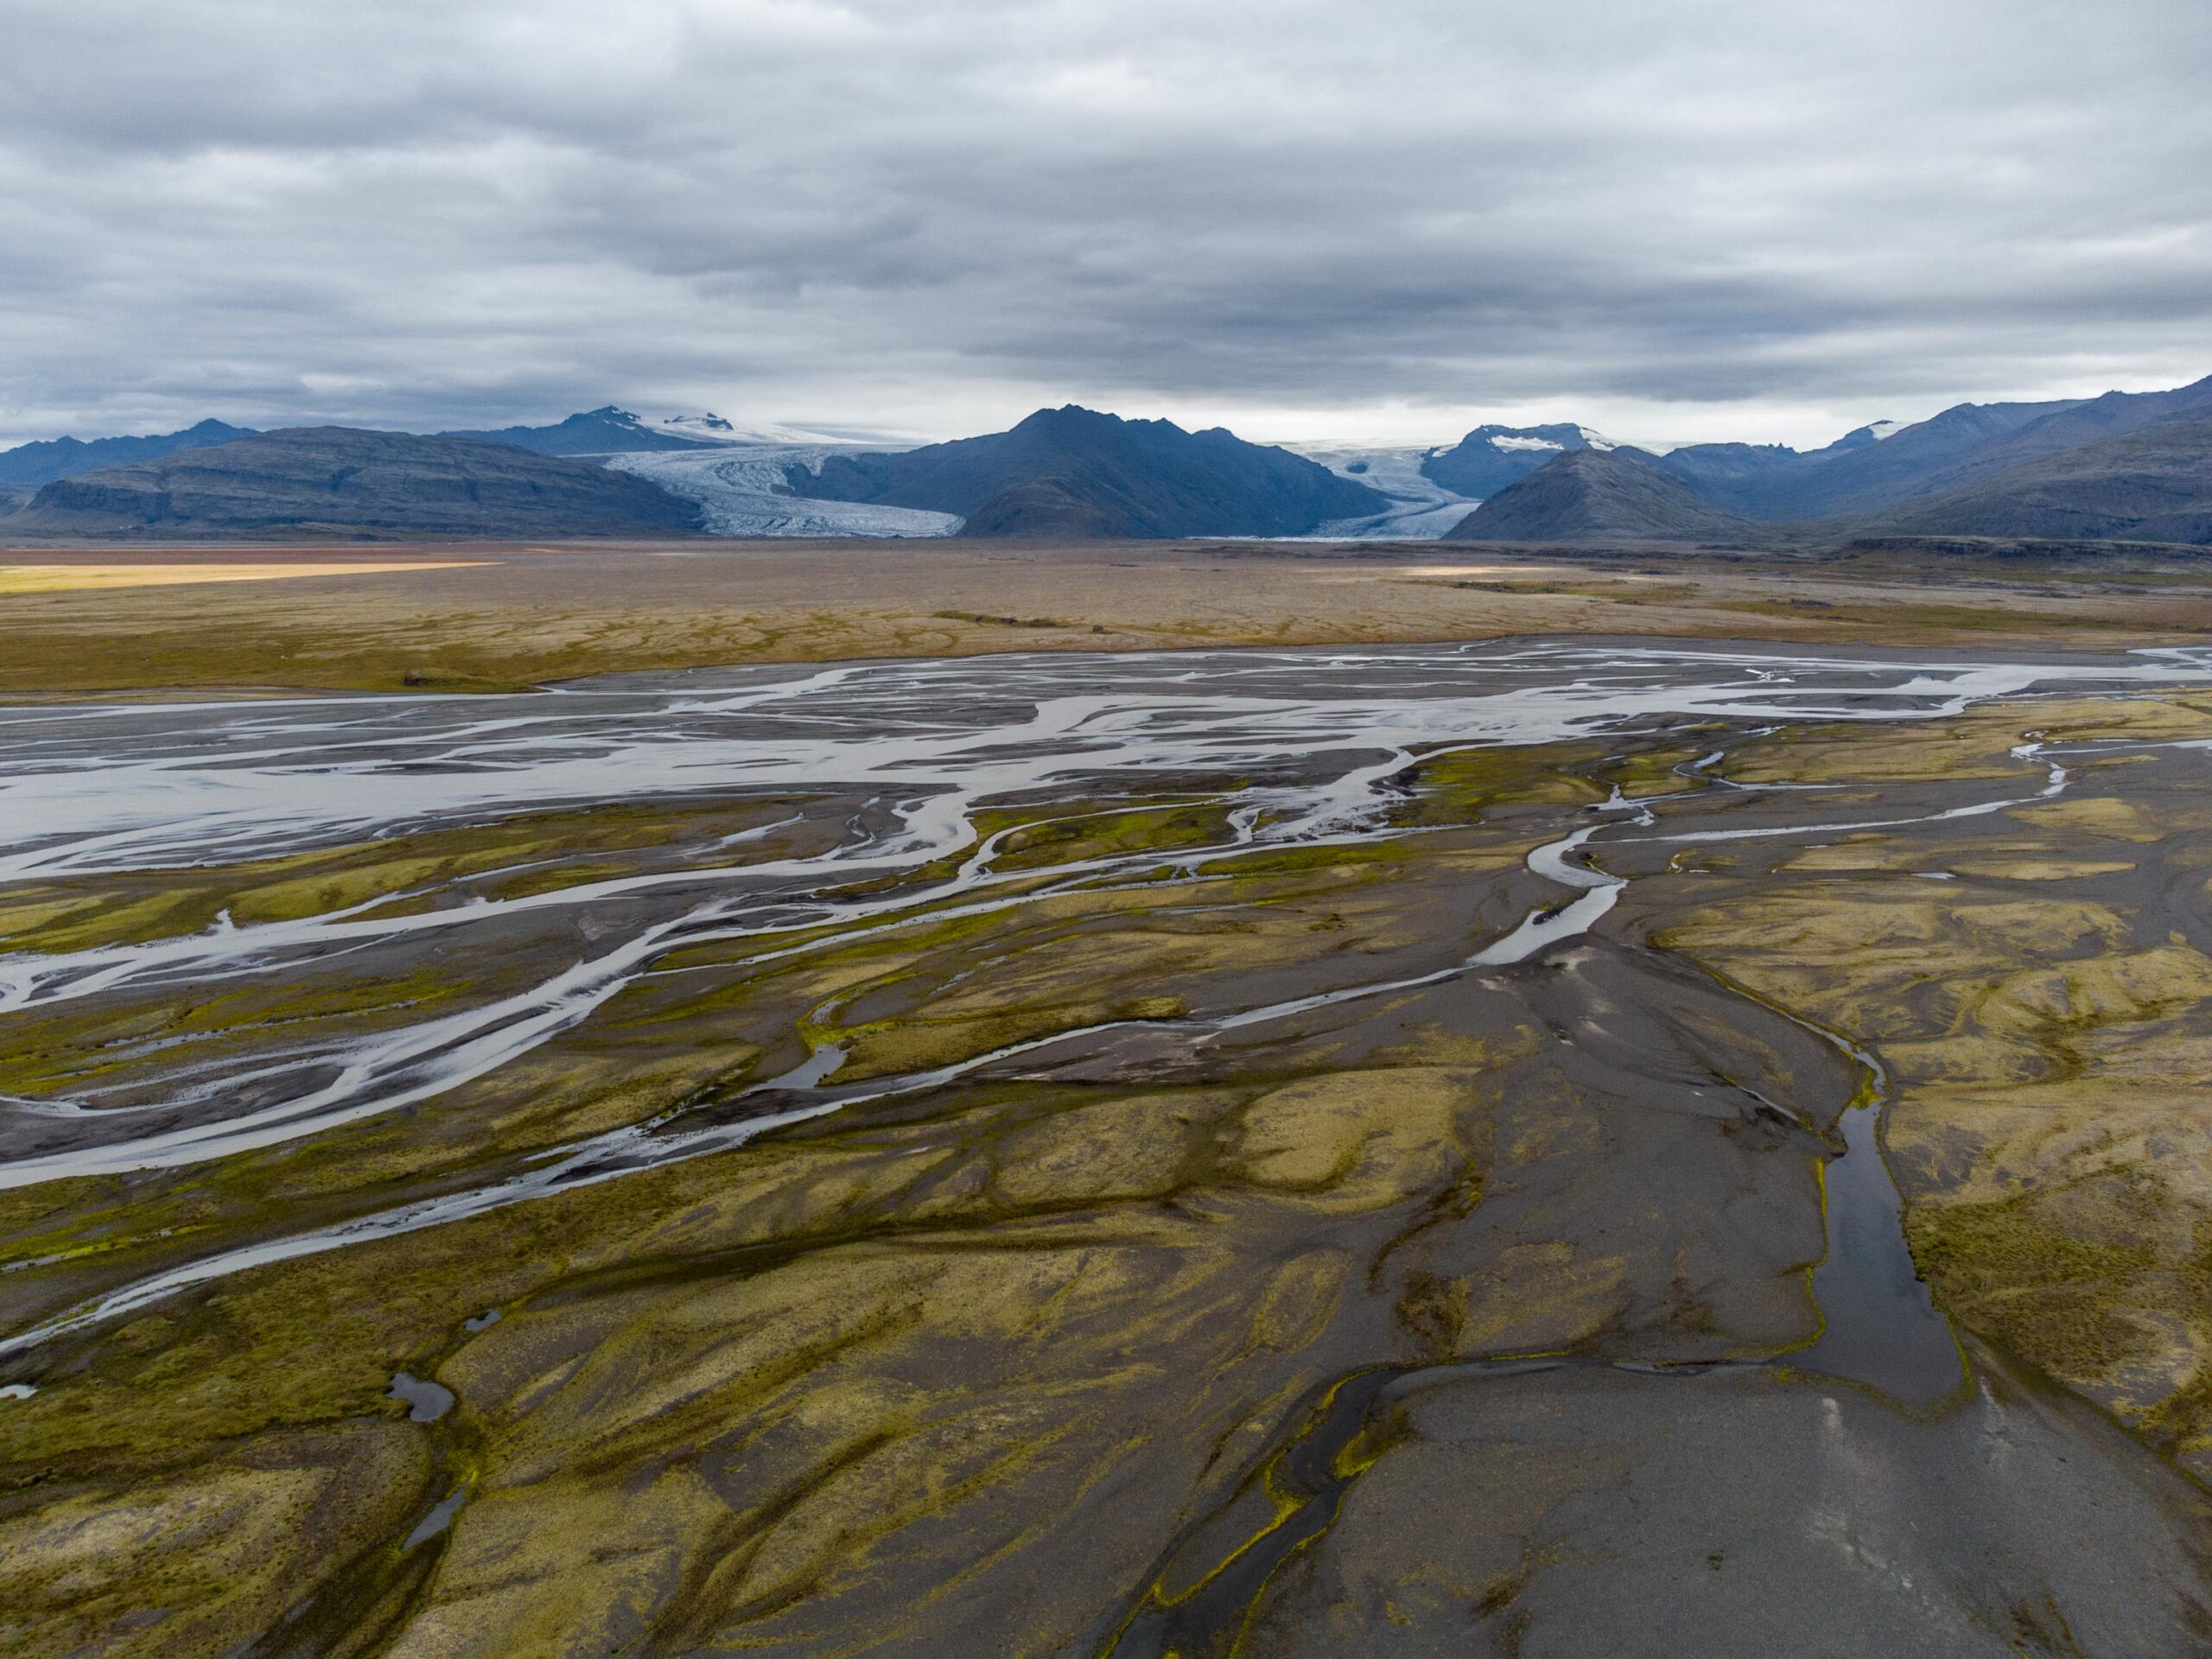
(479, 616)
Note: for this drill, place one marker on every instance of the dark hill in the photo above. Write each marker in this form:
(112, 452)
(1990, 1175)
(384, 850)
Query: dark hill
(1491, 457)
(1727, 472)
(1849, 476)
(2075, 425)
(336, 480)
(1073, 474)
(2153, 484)
(1860, 475)
(608, 431)
(1596, 495)
(34, 464)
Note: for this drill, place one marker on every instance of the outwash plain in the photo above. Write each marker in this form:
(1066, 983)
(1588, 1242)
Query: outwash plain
(477, 616)
(1189, 1099)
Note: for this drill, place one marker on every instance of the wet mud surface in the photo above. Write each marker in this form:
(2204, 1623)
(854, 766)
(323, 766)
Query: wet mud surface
(1519, 1148)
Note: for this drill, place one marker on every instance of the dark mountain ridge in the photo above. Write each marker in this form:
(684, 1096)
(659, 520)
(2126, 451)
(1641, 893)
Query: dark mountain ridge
(1729, 472)
(1492, 456)
(2148, 482)
(30, 465)
(1848, 477)
(1863, 474)
(341, 480)
(1597, 495)
(2072, 427)
(608, 431)
(2153, 484)
(1070, 472)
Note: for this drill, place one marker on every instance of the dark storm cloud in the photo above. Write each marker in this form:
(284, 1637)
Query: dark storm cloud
(933, 213)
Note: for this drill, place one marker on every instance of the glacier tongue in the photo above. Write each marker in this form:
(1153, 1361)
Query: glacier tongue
(1420, 509)
(743, 492)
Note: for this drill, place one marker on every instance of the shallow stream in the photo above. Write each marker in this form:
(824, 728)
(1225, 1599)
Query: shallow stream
(1315, 741)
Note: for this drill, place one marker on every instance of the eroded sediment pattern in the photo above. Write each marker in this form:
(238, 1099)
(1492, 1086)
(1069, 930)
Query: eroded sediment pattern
(1302, 1150)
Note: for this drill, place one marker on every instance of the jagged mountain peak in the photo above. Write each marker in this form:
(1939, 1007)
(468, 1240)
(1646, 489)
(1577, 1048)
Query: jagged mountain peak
(1493, 455)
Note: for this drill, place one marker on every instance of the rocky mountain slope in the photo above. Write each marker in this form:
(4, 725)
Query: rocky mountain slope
(1073, 473)
(1849, 477)
(1491, 457)
(338, 480)
(2122, 466)
(1599, 495)
(1865, 474)
(30, 465)
(2072, 427)
(608, 431)
(2153, 484)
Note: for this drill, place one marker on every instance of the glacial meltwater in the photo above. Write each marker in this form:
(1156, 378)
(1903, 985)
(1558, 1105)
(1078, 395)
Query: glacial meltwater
(877, 780)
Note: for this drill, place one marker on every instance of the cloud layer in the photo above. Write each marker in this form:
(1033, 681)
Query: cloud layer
(1390, 218)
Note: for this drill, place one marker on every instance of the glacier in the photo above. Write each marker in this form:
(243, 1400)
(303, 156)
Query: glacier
(744, 491)
(1420, 509)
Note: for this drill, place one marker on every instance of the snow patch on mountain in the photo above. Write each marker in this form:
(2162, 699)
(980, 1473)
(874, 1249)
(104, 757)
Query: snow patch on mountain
(711, 427)
(1861, 436)
(1510, 441)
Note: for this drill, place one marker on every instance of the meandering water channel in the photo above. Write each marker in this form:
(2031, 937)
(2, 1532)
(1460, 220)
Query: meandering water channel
(891, 764)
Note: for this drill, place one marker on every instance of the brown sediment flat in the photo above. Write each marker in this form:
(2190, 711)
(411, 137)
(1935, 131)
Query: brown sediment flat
(507, 616)
(74, 578)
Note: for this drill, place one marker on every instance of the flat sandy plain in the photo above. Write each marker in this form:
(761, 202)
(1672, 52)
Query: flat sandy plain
(1559, 1305)
(476, 616)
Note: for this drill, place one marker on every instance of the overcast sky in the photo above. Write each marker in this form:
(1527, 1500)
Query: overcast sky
(1381, 221)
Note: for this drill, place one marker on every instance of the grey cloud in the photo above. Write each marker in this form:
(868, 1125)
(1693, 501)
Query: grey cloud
(935, 212)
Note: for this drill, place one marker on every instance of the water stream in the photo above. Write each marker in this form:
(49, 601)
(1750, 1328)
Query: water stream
(1317, 736)
(1880, 1325)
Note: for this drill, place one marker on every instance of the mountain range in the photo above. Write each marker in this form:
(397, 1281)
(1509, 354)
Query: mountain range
(34, 464)
(2123, 466)
(608, 431)
(2150, 483)
(1073, 474)
(342, 481)
(1064, 474)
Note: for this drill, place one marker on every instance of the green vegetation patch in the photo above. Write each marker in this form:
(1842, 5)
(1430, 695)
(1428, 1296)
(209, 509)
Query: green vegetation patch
(1041, 839)
(2057, 1299)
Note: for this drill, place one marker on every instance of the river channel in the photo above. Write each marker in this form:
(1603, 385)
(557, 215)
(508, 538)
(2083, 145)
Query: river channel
(892, 764)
